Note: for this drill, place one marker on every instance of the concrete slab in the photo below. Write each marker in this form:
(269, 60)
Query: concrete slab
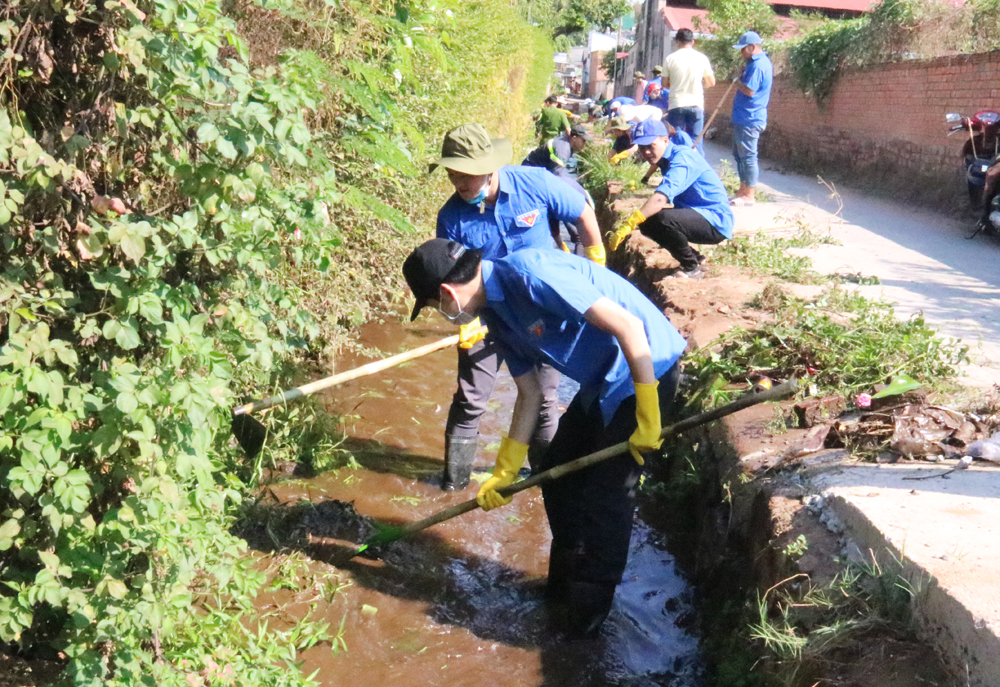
(922, 259)
(944, 529)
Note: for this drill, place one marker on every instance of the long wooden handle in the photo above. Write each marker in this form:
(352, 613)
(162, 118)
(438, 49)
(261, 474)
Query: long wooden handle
(333, 380)
(775, 393)
(712, 118)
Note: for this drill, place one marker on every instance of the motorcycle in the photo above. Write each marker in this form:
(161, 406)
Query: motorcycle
(981, 161)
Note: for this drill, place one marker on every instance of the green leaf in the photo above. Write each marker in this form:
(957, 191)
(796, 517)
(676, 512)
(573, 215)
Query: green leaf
(127, 337)
(134, 246)
(50, 560)
(127, 402)
(899, 385)
(179, 392)
(226, 148)
(117, 589)
(208, 132)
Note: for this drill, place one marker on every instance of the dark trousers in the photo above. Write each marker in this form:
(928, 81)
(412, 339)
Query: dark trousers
(590, 512)
(477, 373)
(676, 228)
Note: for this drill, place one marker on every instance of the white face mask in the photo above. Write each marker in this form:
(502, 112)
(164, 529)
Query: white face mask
(461, 319)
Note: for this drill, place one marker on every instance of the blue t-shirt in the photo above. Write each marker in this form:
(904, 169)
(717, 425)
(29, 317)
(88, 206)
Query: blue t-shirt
(535, 306)
(527, 197)
(690, 182)
(751, 110)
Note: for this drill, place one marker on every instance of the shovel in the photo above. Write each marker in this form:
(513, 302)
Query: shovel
(251, 434)
(387, 534)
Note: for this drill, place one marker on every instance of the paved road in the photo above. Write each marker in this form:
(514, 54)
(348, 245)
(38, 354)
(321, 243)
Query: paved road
(922, 259)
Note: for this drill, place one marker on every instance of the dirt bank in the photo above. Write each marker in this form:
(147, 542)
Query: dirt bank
(739, 530)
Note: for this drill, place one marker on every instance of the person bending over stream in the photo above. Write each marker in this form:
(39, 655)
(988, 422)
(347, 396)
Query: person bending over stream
(553, 308)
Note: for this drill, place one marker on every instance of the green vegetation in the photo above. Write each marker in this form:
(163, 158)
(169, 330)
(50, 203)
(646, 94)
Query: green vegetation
(596, 171)
(765, 254)
(840, 342)
(803, 626)
(893, 30)
(726, 21)
(192, 204)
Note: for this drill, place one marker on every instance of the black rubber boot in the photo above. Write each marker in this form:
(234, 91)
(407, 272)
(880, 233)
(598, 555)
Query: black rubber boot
(587, 607)
(561, 564)
(459, 454)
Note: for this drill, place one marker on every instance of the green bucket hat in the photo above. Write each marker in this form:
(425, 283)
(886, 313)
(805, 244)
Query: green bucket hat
(470, 150)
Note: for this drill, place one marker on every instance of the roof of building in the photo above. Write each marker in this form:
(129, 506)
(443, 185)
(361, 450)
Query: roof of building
(849, 5)
(681, 17)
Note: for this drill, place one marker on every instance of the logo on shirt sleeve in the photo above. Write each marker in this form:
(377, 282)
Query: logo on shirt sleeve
(527, 220)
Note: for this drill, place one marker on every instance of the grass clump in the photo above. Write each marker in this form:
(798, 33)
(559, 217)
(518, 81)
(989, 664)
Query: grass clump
(841, 342)
(764, 254)
(804, 627)
(596, 171)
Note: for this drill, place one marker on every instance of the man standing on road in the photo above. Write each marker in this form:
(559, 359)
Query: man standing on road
(689, 205)
(753, 92)
(548, 307)
(552, 121)
(640, 86)
(498, 210)
(687, 74)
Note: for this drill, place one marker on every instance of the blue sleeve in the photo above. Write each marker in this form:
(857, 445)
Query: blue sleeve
(753, 77)
(442, 225)
(564, 202)
(677, 179)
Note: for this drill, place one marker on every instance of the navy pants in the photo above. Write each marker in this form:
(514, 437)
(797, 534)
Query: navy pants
(590, 512)
(676, 229)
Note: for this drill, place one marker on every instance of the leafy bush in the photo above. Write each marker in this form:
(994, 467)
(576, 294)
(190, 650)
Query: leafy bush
(173, 211)
(841, 342)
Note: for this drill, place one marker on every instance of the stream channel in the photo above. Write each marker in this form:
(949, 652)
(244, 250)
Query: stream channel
(462, 602)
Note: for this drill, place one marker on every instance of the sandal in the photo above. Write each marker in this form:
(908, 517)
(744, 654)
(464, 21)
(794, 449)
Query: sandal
(742, 203)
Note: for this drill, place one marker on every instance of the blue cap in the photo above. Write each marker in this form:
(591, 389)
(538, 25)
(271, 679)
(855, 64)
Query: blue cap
(749, 38)
(648, 131)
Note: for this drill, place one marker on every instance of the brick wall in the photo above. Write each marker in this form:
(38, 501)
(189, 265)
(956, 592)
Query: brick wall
(883, 124)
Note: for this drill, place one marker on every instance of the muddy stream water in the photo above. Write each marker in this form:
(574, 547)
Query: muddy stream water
(462, 602)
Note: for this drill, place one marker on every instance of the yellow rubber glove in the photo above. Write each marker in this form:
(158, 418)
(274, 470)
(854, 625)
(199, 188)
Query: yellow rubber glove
(510, 458)
(619, 157)
(596, 253)
(646, 436)
(624, 230)
(471, 334)
(565, 247)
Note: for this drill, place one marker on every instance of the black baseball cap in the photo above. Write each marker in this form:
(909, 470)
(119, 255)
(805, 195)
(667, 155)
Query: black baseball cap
(427, 267)
(577, 130)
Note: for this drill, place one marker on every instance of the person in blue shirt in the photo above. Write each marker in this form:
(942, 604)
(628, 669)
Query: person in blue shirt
(657, 95)
(753, 92)
(545, 306)
(689, 206)
(558, 155)
(498, 210)
(612, 105)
